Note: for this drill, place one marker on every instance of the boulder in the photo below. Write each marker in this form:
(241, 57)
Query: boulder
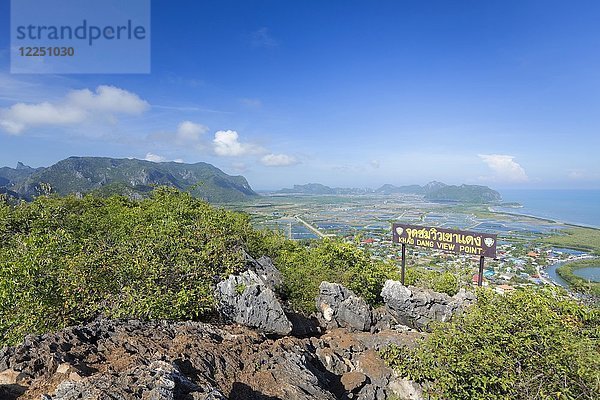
(405, 389)
(353, 381)
(340, 307)
(268, 273)
(417, 307)
(383, 319)
(246, 300)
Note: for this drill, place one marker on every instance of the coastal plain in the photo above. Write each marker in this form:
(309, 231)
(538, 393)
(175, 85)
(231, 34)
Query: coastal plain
(529, 248)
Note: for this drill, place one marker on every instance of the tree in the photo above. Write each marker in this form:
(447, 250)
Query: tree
(530, 344)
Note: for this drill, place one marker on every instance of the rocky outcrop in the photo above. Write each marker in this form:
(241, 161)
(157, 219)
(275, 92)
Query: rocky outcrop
(192, 361)
(404, 308)
(417, 308)
(159, 360)
(363, 374)
(247, 300)
(340, 307)
(158, 380)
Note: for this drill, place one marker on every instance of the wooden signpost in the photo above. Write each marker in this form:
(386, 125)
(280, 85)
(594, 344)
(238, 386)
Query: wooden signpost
(448, 240)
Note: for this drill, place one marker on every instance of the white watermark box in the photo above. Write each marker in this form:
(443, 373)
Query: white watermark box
(80, 36)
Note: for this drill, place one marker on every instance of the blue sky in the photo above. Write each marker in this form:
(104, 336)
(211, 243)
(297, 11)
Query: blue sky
(345, 93)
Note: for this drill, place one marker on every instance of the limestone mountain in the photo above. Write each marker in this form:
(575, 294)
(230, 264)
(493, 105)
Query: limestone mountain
(132, 177)
(434, 191)
(464, 194)
(438, 191)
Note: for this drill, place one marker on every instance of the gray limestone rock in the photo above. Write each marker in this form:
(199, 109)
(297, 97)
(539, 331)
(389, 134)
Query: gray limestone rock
(246, 300)
(268, 273)
(340, 307)
(405, 389)
(416, 307)
(157, 381)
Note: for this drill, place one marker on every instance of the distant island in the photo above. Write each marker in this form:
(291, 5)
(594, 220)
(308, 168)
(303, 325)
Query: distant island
(135, 178)
(433, 191)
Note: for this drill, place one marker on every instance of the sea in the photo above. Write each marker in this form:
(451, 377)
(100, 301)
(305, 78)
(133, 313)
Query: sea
(579, 207)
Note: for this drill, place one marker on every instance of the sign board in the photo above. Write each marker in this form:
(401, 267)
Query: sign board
(450, 240)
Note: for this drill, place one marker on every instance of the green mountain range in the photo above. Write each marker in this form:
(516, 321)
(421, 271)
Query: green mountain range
(319, 189)
(438, 191)
(132, 177)
(433, 191)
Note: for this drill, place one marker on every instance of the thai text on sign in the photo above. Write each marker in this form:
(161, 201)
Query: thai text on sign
(450, 240)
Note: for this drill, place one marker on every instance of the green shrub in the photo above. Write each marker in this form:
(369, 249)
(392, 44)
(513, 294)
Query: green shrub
(65, 260)
(443, 282)
(305, 267)
(530, 344)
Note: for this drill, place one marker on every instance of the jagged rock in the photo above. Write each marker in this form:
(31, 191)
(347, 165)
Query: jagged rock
(161, 360)
(12, 377)
(353, 381)
(157, 381)
(370, 364)
(418, 307)
(268, 273)
(333, 361)
(246, 300)
(463, 299)
(213, 394)
(303, 326)
(372, 392)
(405, 389)
(340, 307)
(383, 319)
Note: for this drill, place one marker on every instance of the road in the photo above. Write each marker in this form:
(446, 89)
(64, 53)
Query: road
(313, 228)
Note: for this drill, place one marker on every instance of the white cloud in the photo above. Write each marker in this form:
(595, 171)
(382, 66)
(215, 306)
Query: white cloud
(576, 174)
(21, 116)
(154, 158)
(77, 107)
(157, 159)
(108, 99)
(226, 143)
(504, 167)
(582, 175)
(188, 134)
(375, 163)
(278, 160)
(188, 131)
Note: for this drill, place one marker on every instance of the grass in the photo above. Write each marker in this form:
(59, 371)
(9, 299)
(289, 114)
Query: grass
(578, 238)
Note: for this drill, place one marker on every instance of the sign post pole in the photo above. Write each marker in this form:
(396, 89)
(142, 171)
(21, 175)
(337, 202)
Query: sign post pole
(480, 276)
(403, 262)
(480, 244)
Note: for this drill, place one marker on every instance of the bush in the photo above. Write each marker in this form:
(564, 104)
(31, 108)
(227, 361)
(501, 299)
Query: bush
(442, 282)
(530, 344)
(66, 260)
(305, 267)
